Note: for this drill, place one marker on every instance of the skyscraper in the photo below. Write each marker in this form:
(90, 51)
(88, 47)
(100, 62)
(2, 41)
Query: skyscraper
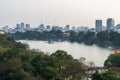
(27, 26)
(98, 25)
(18, 26)
(110, 23)
(22, 25)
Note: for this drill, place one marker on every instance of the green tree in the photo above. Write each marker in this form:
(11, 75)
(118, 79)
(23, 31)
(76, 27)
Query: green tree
(89, 38)
(114, 38)
(96, 76)
(103, 38)
(61, 55)
(15, 60)
(105, 76)
(68, 67)
(113, 60)
(43, 65)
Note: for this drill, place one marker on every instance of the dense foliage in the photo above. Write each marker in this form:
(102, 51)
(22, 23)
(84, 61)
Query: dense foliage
(108, 75)
(104, 38)
(31, 35)
(18, 62)
(113, 60)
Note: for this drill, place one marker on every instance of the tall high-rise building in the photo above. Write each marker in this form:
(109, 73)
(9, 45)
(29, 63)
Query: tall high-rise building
(98, 25)
(27, 26)
(110, 23)
(22, 25)
(18, 26)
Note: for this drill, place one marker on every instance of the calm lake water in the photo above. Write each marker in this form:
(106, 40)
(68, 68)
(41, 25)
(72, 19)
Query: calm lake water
(91, 53)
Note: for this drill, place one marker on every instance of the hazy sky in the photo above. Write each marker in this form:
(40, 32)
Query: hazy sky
(60, 12)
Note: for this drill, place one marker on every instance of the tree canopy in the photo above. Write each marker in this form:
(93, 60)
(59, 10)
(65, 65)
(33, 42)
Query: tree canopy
(18, 62)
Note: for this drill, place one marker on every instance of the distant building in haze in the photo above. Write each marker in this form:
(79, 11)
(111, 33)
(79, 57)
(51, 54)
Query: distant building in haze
(55, 28)
(41, 27)
(48, 28)
(27, 26)
(2, 32)
(22, 25)
(67, 28)
(18, 26)
(73, 28)
(98, 25)
(110, 23)
(117, 26)
(82, 29)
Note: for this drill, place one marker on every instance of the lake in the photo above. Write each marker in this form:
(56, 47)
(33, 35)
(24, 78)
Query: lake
(92, 53)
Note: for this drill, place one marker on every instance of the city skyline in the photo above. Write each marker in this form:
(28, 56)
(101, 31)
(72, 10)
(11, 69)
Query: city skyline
(59, 12)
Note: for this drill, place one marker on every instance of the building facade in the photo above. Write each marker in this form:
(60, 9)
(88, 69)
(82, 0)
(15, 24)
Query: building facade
(98, 25)
(110, 23)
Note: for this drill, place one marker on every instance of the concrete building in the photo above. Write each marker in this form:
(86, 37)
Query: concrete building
(92, 29)
(118, 26)
(73, 28)
(5, 28)
(41, 27)
(82, 28)
(2, 32)
(98, 25)
(55, 28)
(12, 31)
(110, 23)
(48, 28)
(18, 26)
(60, 28)
(22, 25)
(67, 28)
(27, 27)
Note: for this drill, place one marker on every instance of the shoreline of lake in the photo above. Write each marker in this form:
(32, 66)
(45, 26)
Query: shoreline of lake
(91, 53)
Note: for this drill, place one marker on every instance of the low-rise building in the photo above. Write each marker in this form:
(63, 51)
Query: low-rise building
(82, 28)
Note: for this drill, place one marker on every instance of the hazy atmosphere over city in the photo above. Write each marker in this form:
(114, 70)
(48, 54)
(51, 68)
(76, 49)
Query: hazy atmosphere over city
(59, 12)
(59, 40)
